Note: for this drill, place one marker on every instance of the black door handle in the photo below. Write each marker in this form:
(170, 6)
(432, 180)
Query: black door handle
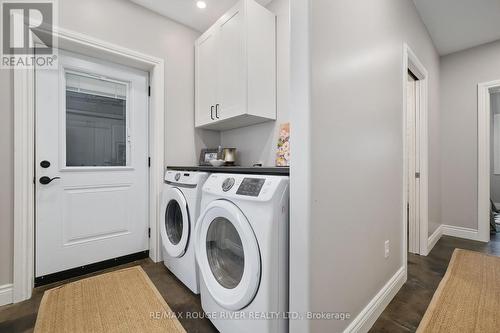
(217, 111)
(46, 180)
(212, 112)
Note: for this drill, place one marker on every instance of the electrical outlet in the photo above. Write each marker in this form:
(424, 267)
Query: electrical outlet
(387, 249)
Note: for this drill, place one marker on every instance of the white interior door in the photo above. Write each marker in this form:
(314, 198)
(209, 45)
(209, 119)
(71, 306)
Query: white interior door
(92, 145)
(412, 131)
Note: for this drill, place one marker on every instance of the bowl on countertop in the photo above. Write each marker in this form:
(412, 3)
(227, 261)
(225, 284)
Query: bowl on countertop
(217, 163)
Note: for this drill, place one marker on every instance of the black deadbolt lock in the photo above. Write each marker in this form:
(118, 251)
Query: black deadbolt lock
(45, 164)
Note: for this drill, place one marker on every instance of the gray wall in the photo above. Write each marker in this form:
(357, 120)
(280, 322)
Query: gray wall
(126, 24)
(357, 150)
(258, 143)
(460, 74)
(7, 179)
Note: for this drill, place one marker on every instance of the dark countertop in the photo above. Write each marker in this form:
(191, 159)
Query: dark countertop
(276, 171)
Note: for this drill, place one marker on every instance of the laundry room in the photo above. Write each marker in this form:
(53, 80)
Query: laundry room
(266, 166)
(205, 103)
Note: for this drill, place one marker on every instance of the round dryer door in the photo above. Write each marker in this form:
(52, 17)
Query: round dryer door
(228, 255)
(175, 226)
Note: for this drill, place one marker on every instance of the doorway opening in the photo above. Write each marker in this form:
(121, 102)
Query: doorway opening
(495, 160)
(488, 160)
(24, 147)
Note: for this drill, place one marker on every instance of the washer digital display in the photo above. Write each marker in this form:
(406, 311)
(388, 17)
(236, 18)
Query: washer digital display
(251, 186)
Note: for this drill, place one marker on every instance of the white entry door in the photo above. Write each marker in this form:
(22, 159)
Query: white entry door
(91, 163)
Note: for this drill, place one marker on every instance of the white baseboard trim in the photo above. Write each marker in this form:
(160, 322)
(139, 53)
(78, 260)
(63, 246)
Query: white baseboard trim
(367, 317)
(460, 232)
(6, 294)
(433, 239)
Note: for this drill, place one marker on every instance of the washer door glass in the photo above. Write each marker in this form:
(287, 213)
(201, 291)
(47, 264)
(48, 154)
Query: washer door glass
(175, 227)
(225, 252)
(228, 255)
(173, 222)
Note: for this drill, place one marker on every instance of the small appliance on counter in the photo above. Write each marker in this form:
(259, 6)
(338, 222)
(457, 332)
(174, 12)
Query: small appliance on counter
(229, 156)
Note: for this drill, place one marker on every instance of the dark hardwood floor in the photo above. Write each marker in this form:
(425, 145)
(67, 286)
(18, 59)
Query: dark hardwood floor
(403, 314)
(406, 310)
(21, 317)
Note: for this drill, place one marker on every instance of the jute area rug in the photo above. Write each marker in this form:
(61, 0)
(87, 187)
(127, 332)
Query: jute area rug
(121, 301)
(467, 298)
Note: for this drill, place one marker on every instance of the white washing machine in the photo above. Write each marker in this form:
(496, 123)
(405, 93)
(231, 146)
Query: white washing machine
(180, 208)
(241, 242)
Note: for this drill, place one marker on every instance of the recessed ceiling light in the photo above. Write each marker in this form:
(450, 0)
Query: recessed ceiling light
(201, 4)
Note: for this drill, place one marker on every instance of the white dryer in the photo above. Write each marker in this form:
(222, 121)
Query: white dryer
(180, 208)
(241, 242)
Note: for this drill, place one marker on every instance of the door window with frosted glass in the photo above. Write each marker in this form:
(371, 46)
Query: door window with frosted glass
(96, 121)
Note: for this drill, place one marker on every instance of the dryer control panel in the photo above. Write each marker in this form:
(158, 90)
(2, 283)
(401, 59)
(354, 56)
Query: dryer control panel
(249, 187)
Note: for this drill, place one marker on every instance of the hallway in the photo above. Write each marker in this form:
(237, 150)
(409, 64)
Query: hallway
(406, 310)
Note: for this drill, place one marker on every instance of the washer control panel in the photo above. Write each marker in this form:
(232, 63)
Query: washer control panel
(191, 179)
(251, 186)
(227, 184)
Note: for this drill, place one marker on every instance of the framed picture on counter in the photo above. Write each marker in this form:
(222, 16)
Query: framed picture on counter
(207, 155)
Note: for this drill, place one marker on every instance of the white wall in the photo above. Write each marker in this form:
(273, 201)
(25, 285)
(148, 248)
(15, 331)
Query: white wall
(123, 23)
(356, 166)
(460, 74)
(258, 143)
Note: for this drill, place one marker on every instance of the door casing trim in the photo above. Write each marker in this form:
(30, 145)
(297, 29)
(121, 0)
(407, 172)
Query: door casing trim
(411, 62)
(24, 149)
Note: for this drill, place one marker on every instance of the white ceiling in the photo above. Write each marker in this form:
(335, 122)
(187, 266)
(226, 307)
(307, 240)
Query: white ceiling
(186, 12)
(456, 25)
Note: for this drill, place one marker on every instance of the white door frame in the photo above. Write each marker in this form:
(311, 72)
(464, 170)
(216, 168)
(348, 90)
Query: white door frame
(412, 63)
(24, 149)
(483, 159)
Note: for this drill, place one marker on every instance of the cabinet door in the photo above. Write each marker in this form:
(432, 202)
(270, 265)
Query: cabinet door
(206, 75)
(231, 69)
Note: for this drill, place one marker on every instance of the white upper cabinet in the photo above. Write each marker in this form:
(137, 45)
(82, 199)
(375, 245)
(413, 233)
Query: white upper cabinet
(236, 69)
(206, 73)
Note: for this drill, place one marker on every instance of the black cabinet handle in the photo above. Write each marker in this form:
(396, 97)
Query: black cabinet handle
(47, 180)
(212, 112)
(217, 111)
